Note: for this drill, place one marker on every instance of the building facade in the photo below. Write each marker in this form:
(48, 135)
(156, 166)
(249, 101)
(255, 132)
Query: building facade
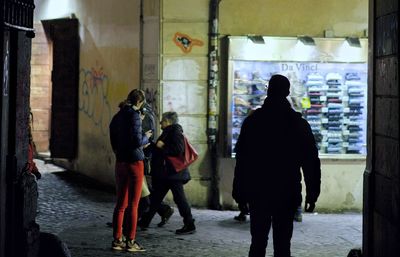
(142, 44)
(168, 48)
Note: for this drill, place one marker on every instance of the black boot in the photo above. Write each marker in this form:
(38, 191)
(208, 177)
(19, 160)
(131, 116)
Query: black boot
(165, 217)
(144, 223)
(188, 228)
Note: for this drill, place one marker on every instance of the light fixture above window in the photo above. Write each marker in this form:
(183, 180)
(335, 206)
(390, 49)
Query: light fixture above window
(353, 41)
(306, 40)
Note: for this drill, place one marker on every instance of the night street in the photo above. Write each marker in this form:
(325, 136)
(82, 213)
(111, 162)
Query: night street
(78, 211)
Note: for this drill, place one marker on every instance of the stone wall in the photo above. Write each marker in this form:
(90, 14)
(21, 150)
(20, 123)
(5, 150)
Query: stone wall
(40, 98)
(382, 192)
(183, 85)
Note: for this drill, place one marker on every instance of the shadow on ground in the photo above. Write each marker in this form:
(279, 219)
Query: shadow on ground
(87, 187)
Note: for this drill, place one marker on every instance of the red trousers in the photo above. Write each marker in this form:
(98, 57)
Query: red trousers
(129, 179)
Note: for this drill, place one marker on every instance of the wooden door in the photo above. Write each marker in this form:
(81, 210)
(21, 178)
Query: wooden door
(65, 84)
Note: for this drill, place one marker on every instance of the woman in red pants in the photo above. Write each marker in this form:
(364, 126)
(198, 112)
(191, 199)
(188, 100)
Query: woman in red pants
(128, 141)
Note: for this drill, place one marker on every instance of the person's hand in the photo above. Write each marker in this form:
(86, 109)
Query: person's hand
(309, 207)
(160, 144)
(149, 133)
(146, 145)
(141, 116)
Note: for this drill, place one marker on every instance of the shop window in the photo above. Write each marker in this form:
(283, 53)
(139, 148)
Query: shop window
(328, 86)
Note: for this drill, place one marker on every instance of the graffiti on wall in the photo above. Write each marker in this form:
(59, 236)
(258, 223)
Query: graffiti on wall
(185, 42)
(93, 97)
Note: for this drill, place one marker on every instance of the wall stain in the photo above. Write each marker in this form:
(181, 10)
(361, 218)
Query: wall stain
(349, 201)
(93, 97)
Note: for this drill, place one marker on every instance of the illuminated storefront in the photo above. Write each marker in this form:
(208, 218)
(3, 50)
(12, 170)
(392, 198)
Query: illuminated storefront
(328, 86)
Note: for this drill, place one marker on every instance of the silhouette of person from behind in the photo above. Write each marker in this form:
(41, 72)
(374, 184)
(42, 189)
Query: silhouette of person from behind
(274, 143)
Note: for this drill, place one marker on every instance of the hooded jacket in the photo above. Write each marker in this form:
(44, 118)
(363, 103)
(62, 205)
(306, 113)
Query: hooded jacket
(274, 143)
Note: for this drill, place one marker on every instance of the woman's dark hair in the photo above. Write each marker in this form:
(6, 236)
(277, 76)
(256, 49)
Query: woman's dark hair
(30, 126)
(135, 96)
(170, 116)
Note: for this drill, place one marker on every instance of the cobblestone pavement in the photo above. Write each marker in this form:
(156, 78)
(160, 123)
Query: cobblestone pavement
(78, 210)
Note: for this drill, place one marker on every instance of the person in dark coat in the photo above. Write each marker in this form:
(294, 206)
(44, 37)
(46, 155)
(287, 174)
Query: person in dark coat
(127, 141)
(274, 143)
(149, 123)
(165, 177)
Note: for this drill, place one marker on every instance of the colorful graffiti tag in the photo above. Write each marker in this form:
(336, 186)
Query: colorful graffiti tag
(185, 42)
(93, 97)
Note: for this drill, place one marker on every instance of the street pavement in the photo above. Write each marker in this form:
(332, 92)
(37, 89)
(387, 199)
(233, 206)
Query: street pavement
(77, 210)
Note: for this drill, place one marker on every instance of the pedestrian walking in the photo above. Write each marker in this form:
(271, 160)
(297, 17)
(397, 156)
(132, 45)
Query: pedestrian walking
(165, 211)
(165, 177)
(274, 143)
(127, 141)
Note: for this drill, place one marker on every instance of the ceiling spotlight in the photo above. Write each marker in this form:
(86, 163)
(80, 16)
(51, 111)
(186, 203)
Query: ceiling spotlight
(256, 39)
(353, 41)
(306, 40)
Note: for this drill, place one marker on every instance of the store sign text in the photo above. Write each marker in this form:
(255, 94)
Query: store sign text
(299, 67)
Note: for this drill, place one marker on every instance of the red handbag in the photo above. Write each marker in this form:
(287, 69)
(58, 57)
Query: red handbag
(181, 162)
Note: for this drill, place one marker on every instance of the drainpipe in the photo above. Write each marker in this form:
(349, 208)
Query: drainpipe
(141, 79)
(213, 84)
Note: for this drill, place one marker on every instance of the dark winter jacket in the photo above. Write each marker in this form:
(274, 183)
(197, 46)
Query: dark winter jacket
(127, 138)
(148, 123)
(274, 142)
(172, 136)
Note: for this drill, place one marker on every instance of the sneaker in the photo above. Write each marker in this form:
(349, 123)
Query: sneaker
(133, 246)
(186, 229)
(118, 244)
(165, 217)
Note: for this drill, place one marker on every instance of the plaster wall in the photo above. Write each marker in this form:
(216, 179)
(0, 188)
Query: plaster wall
(292, 18)
(183, 82)
(341, 184)
(109, 69)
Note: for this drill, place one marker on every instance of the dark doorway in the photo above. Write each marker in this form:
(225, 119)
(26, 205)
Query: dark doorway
(61, 125)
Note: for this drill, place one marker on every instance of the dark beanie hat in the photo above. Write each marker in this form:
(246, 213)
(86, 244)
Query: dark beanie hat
(278, 87)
